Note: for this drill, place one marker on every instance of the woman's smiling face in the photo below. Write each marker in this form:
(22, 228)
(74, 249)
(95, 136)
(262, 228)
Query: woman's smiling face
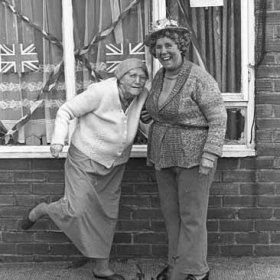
(168, 54)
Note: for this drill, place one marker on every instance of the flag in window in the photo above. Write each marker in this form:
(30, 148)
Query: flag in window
(17, 58)
(115, 53)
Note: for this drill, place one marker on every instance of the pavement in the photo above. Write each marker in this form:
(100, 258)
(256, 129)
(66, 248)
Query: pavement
(243, 268)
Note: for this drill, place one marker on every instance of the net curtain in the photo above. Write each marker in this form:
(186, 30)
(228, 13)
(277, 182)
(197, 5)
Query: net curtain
(94, 16)
(218, 31)
(19, 90)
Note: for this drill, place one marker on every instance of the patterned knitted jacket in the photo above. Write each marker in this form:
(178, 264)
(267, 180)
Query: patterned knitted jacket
(191, 121)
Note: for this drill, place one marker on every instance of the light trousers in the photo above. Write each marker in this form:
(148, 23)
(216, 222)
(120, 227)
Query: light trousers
(184, 197)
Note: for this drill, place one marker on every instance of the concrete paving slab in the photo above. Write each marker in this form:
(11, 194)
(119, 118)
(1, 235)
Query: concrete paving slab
(244, 268)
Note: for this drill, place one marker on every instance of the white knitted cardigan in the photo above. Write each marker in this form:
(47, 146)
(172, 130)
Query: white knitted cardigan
(104, 132)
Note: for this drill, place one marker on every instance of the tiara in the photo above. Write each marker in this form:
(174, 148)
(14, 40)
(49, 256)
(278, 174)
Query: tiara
(162, 23)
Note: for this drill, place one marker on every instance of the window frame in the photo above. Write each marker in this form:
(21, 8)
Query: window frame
(244, 99)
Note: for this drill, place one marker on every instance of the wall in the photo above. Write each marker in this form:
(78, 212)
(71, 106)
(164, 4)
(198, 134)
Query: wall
(244, 208)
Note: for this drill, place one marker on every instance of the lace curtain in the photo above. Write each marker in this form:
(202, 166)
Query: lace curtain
(218, 33)
(19, 90)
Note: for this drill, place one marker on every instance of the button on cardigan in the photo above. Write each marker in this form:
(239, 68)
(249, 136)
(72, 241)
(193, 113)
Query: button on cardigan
(104, 132)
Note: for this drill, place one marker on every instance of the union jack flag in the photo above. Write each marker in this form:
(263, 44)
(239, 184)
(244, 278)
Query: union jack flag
(115, 53)
(17, 58)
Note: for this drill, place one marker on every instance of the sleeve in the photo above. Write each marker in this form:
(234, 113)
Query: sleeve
(210, 102)
(80, 105)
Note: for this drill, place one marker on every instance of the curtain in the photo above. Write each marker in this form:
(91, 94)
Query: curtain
(94, 16)
(21, 88)
(218, 31)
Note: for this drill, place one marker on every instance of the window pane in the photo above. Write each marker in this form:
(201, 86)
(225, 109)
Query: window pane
(101, 54)
(28, 61)
(218, 34)
(235, 126)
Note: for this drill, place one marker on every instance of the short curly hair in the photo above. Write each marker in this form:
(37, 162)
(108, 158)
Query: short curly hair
(181, 39)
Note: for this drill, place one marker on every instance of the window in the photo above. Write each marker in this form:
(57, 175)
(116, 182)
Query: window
(36, 76)
(223, 43)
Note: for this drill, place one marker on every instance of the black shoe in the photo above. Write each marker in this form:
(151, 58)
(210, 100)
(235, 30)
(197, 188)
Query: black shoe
(164, 274)
(115, 276)
(26, 223)
(191, 277)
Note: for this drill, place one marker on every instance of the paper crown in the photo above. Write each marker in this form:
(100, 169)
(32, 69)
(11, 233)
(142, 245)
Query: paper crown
(164, 24)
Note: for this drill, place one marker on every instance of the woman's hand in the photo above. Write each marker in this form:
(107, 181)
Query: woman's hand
(56, 150)
(207, 163)
(145, 116)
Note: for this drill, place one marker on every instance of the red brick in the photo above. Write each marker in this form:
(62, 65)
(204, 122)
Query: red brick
(239, 176)
(122, 237)
(7, 248)
(133, 250)
(212, 226)
(47, 188)
(158, 226)
(48, 164)
(255, 213)
(133, 225)
(215, 201)
(268, 123)
(18, 189)
(275, 238)
(237, 250)
(263, 85)
(269, 149)
(265, 111)
(227, 163)
(224, 189)
(269, 176)
(257, 189)
(267, 250)
(6, 200)
(252, 238)
(147, 214)
(267, 225)
(16, 237)
(239, 201)
(221, 213)
(51, 237)
(236, 226)
(270, 201)
(214, 250)
(18, 164)
(150, 238)
(257, 163)
(138, 201)
(220, 238)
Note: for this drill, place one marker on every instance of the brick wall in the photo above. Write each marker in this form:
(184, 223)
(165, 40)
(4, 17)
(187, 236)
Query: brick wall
(244, 208)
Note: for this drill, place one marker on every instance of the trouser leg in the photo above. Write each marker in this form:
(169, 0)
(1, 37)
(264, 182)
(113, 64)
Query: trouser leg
(168, 193)
(193, 193)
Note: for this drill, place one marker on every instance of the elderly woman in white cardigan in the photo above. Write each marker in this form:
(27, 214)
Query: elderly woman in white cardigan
(108, 114)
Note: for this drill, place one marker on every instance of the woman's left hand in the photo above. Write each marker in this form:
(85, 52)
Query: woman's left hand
(205, 166)
(207, 163)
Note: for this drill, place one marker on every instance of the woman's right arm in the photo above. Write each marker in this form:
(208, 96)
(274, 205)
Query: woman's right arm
(80, 105)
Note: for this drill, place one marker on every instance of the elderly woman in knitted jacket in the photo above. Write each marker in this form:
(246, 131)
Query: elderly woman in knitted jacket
(185, 139)
(108, 113)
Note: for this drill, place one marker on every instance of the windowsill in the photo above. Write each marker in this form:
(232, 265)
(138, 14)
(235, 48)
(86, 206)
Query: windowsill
(138, 151)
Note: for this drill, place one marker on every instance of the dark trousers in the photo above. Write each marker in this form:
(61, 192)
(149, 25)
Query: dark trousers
(184, 197)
